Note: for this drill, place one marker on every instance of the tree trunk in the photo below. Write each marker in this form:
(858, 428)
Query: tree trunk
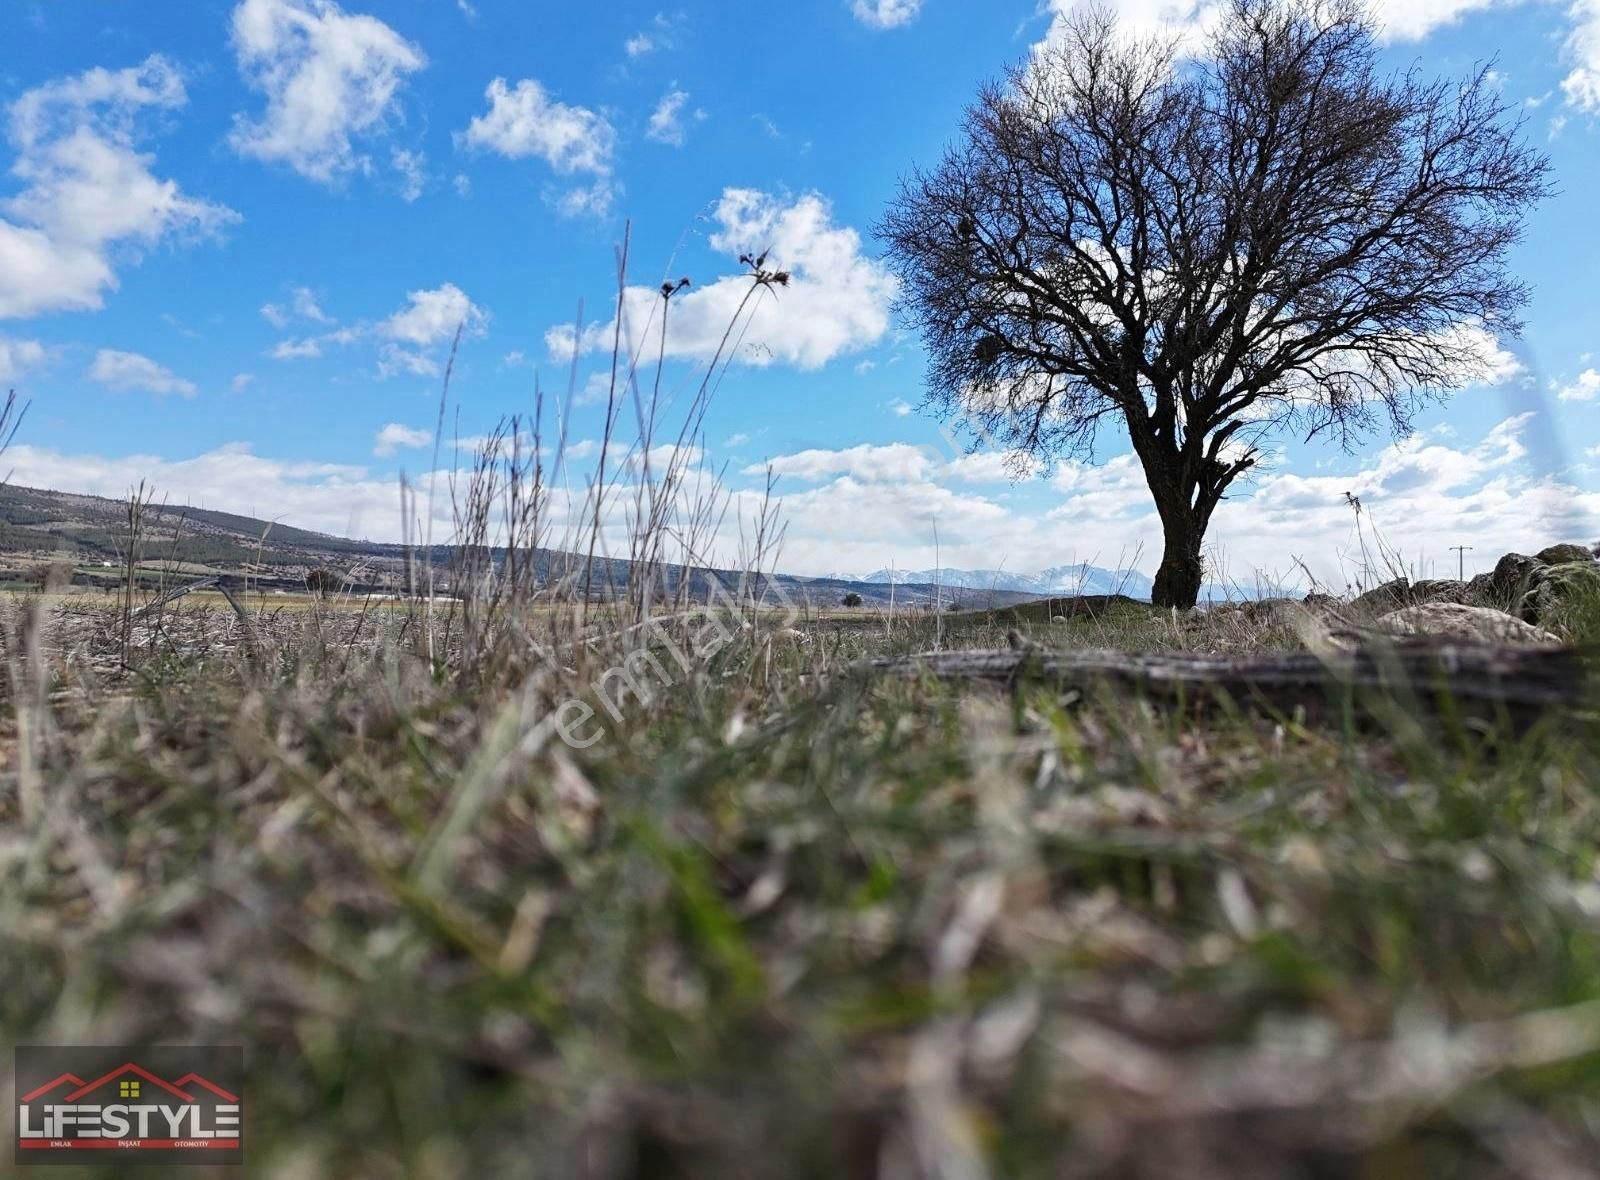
(1178, 580)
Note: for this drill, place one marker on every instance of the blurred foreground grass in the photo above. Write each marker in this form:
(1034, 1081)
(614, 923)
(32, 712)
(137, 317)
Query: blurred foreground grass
(784, 921)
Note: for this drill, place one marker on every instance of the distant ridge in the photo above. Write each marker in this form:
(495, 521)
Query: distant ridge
(37, 525)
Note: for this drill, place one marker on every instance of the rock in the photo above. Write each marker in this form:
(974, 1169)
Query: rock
(1438, 590)
(1402, 593)
(1564, 597)
(1563, 554)
(1387, 597)
(1504, 588)
(1453, 620)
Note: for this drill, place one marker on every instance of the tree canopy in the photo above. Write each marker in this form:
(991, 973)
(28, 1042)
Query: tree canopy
(1207, 248)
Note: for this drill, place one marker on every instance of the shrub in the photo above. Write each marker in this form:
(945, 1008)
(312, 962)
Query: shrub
(851, 599)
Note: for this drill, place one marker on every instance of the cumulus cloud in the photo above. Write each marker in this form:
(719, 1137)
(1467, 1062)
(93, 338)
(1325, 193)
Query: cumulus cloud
(1582, 86)
(124, 372)
(901, 461)
(896, 461)
(88, 191)
(524, 122)
(837, 301)
(1420, 494)
(1584, 389)
(394, 436)
(993, 467)
(1191, 20)
(665, 121)
(330, 79)
(433, 316)
(241, 382)
(881, 505)
(18, 357)
(886, 14)
(333, 498)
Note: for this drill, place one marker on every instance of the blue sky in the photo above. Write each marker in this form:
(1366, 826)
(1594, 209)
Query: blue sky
(235, 238)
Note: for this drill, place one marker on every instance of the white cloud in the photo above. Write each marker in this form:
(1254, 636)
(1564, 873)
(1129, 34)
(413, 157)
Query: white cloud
(886, 14)
(1420, 495)
(657, 36)
(395, 436)
(525, 122)
(736, 440)
(310, 347)
(590, 200)
(900, 408)
(596, 390)
(333, 498)
(837, 301)
(993, 467)
(431, 317)
(303, 303)
(895, 461)
(330, 78)
(126, 371)
(297, 350)
(1582, 86)
(1584, 389)
(413, 169)
(1190, 20)
(242, 382)
(665, 126)
(901, 461)
(89, 193)
(394, 359)
(18, 357)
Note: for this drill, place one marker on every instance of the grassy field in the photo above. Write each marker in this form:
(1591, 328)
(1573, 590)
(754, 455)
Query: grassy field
(785, 918)
(522, 884)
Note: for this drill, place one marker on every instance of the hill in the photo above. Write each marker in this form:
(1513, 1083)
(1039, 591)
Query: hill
(40, 526)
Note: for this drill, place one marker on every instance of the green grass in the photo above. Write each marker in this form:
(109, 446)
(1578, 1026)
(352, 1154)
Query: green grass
(788, 921)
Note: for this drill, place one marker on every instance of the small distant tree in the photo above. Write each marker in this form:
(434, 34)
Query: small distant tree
(851, 599)
(1269, 235)
(323, 582)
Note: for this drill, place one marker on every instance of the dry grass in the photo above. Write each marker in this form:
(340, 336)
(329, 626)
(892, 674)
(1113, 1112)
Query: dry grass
(780, 919)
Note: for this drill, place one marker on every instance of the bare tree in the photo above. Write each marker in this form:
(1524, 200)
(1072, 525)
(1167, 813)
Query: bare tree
(1207, 250)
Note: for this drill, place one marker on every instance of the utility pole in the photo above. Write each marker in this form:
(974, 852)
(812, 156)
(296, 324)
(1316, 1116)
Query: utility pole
(1461, 552)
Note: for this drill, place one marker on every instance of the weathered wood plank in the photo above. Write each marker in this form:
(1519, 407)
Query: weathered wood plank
(1523, 681)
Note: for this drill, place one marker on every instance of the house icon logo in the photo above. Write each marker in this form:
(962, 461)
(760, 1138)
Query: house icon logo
(163, 1104)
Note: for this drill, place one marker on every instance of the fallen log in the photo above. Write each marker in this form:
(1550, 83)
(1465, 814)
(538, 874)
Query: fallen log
(1521, 682)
